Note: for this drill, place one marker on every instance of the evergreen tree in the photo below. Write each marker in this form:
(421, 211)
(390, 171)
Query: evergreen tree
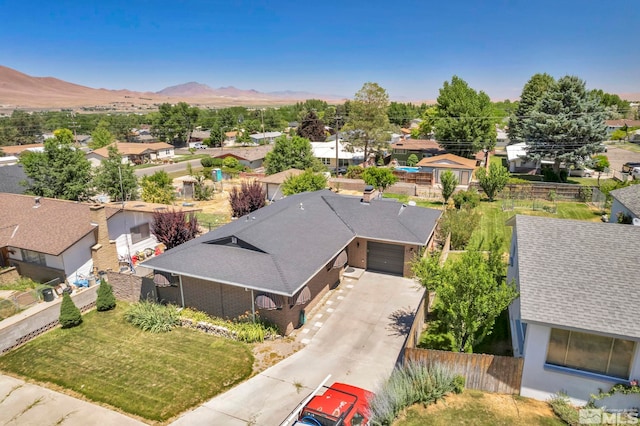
(116, 179)
(532, 92)
(69, 313)
(567, 124)
(106, 300)
(463, 124)
(449, 182)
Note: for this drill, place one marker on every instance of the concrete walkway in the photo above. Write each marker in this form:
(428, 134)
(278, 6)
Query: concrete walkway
(356, 336)
(26, 404)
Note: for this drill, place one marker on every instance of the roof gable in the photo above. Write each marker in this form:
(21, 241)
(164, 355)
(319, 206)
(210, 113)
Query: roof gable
(447, 160)
(629, 197)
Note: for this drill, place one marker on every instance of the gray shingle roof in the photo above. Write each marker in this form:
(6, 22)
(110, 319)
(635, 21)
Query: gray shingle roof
(629, 197)
(10, 178)
(581, 275)
(292, 239)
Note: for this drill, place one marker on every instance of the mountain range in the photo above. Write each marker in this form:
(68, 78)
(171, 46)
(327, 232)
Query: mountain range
(19, 90)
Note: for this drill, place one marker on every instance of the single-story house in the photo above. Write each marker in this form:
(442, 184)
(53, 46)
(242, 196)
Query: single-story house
(272, 184)
(613, 125)
(575, 321)
(264, 138)
(518, 161)
(626, 201)
(326, 153)
(47, 238)
(8, 160)
(281, 259)
(422, 148)
(199, 135)
(252, 157)
(461, 167)
(230, 137)
(16, 150)
(136, 153)
(11, 177)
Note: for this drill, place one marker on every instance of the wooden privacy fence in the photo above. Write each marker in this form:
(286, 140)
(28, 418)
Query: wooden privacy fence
(490, 373)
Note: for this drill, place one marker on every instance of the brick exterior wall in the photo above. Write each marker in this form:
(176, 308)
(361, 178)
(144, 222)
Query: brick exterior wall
(227, 301)
(357, 255)
(132, 288)
(104, 254)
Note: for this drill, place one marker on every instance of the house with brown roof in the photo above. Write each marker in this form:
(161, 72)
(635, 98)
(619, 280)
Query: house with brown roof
(613, 125)
(136, 153)
(16, 150)
(422, 148)
(252, 157)
(461, 167)
(272, 184)
(47, 238)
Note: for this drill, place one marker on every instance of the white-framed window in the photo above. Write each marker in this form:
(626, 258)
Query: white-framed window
(590, 352)
(139, 233)
(31, 256)
(167, 152)
(399, 151)
(326, 161)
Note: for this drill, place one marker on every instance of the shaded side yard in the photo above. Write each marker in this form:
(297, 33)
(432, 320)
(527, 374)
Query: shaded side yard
(154, 376)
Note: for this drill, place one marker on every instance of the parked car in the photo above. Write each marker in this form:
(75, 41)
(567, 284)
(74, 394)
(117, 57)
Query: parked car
(337, 405)
(628, 167)
(635, 173)
(581, 172)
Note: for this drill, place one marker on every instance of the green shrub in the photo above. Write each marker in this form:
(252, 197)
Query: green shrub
(461, 224)
(206, 162)
(70, 315)
(585, 194)
(106, 300)
(469, 199)
(21, 284)
(242, 328)
(354, 172)
(458, 384)
(410, 383)
(217, 162)
(231, 163)
(153, 317)
(561, 405)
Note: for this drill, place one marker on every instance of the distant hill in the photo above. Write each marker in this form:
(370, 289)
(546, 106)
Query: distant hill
(19, 90)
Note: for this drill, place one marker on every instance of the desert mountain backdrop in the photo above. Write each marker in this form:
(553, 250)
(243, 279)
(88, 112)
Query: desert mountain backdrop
(19, 90)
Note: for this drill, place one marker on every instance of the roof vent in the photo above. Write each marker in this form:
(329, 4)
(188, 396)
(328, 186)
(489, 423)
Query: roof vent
(636, 221)
(37, 202)
(301, 206)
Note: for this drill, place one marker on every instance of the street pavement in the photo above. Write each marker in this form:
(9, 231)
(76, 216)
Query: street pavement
(356, 336)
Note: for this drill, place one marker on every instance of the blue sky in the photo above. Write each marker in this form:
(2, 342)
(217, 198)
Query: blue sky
(329, 47)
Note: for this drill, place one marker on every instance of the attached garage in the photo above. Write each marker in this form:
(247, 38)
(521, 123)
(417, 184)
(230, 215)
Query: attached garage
(387, 258)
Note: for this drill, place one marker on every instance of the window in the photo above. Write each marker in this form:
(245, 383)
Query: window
(33, 257)
(326, 161)
(167, 152)
(590, 352)
(399, 151)
(139, 233)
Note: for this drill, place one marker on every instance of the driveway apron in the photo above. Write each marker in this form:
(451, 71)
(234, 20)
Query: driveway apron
(356, 335)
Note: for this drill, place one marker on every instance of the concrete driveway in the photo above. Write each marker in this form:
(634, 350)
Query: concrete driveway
(356, 335)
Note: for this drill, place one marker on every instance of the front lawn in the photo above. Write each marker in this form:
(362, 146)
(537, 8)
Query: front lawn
(480, 409)
(154, 376)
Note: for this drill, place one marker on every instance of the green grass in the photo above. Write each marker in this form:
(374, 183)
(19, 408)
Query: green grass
(419, 202)
(481, 409)
(633, 147)
(493, 218)
(152, 375)
(211, 220)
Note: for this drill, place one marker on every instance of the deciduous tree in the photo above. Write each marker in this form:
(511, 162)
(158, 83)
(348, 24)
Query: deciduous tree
(494, 180)
(101, 136)
(115, 178)
(305, 182)
(379, 177)
(174, 227)
(250, 197)
(158, 188)
(60, 171)
(449, 182)
(368, 121)
(412, 160)
(288, 153)
(600, 164)
(312, 128)
(174, 123)
(463, 124)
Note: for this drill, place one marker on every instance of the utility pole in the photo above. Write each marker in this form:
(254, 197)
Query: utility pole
(262, 116)
(338, 118)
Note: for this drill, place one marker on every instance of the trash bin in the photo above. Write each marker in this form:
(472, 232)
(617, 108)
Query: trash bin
(47, 294)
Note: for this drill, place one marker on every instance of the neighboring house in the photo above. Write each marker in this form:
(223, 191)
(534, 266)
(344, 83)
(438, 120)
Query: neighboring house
(502, 137)
(422, 148)
(47, 239)
(82, 140)
(16, 150)
(8, 160)
(461, 167)
(230, 138)
(135, 153)
(199, 135)
(281, 259)
(11, 177)
(252, 157)
(415, 123)
(575, 321)
(265, 138)
(613, 125)
(272, 184)
(626, 201)
(518, 161)
(326, 153)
